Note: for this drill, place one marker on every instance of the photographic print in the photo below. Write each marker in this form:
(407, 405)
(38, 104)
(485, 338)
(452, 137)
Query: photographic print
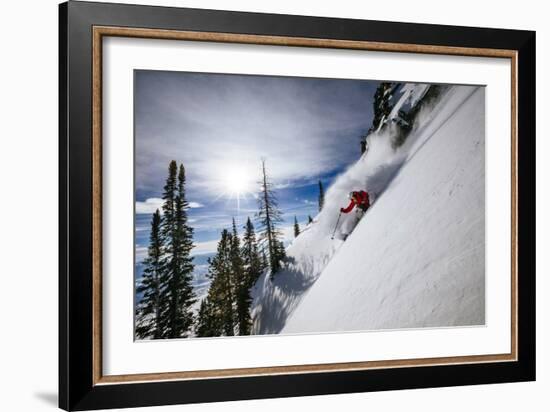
(268, 189)
(285, 205)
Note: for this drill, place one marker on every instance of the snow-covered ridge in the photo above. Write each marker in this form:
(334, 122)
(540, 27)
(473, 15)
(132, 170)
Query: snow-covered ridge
(417, 257)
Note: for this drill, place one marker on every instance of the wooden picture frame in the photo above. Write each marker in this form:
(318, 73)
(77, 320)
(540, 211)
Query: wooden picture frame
(82, 384)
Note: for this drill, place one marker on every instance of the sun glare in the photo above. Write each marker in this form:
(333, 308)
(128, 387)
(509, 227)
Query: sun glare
(237, 182)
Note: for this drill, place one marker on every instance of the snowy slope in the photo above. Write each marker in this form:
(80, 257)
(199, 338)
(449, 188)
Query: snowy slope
(273, 301)
(416, 258)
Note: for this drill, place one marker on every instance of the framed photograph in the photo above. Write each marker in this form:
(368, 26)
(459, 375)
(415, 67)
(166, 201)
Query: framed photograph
(257, 206)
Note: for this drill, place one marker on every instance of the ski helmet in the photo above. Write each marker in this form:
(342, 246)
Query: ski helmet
(351, 194)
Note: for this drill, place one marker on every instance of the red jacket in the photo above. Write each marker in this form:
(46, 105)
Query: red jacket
(361, 199)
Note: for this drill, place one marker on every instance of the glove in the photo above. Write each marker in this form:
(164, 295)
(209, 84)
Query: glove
(341, 210)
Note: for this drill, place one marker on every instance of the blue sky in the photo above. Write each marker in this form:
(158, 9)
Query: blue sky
(221, 126)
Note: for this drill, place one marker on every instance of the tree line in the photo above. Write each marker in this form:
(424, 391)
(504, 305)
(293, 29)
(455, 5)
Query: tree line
(165, 309)
(233, 271)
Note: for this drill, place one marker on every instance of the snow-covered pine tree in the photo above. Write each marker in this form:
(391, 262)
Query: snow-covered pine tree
(251, 256)
(269, 217)
(177, 317)
(296, 227)
(149, 309)
(241, 288)
(321, 196)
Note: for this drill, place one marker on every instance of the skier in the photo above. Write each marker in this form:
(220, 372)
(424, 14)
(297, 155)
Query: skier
(359, 199)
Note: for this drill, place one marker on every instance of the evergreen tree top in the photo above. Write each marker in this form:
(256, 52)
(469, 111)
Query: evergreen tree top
(234, 228)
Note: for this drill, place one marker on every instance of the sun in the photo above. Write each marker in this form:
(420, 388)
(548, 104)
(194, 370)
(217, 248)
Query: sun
(237, 182)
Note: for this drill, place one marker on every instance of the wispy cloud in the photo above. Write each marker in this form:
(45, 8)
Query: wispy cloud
(151, 204)
(148, 206)
(203, 248)
(216, 123)
(141, 253)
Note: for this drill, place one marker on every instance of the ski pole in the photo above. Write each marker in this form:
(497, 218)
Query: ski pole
(335, 226)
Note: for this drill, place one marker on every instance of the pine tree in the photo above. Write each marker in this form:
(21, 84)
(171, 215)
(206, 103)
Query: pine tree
(226, 309)
(186, 266)
(220, 293)
(208, 324)
(149, 310)
(309, 219)
(241, 288)
(280, 249)
(252, 259)
(296, 227)
(321, 196)
(202, 328)
(177, 317)
(269, 217)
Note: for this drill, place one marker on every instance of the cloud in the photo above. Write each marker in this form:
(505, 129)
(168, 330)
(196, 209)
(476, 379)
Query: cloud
(203, 248)
(151, 204)
(214, 124)
(199, 248)
(141, 253)
(148, 206)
